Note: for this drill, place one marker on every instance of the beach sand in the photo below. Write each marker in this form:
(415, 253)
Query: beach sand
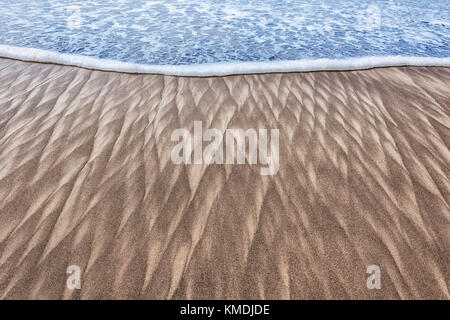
(86, 179)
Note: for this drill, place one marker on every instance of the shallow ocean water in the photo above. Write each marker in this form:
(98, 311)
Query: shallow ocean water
(170, 32)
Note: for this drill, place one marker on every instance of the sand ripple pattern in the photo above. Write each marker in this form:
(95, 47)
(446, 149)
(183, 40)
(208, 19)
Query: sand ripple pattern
(86, 179)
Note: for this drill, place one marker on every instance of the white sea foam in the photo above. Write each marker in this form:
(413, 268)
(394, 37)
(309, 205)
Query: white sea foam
(187, 32)
(218, 69)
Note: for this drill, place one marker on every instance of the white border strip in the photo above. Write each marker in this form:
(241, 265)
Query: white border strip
(218, 69)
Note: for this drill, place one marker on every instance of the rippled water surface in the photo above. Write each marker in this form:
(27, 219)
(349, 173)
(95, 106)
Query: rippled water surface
(208, 31)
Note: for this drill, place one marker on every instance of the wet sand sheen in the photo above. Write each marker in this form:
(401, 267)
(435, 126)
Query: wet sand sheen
(86, 179)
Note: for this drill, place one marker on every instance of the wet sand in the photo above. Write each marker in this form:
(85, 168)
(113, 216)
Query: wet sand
(86, 179)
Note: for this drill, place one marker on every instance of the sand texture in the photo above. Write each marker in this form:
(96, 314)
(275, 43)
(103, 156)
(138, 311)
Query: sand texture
(86, 179)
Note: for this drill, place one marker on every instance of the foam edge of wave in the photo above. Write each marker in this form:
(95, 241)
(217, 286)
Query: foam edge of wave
(219, 69)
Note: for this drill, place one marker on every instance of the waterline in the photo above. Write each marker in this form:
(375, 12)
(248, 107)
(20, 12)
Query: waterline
(219, 69)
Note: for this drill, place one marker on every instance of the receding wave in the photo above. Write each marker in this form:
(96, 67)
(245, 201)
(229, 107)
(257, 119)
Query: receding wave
(218, 69)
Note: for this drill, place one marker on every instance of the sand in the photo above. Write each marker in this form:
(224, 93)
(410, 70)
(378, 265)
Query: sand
(86, 179)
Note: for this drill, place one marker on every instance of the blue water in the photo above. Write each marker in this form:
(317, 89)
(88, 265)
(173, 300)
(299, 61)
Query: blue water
(170, 32)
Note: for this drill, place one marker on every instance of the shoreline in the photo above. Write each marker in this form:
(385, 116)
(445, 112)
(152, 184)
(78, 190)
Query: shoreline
(219, 69)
